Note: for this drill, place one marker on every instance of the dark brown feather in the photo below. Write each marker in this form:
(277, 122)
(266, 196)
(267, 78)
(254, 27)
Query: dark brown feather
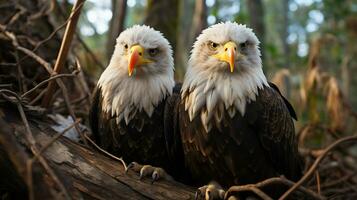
(250, 148)
(142, 140)
(287, 103)
(177, 167)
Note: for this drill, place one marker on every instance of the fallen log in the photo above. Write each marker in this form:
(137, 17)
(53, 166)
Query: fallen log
(84, 172)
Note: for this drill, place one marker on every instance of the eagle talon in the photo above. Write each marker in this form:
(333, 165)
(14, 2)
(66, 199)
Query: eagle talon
(155, 176)
(156, 173)
(210, 191)
(134, 166)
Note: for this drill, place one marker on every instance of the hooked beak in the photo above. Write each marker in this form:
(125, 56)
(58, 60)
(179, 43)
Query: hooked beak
(228, 54)
(136, 58)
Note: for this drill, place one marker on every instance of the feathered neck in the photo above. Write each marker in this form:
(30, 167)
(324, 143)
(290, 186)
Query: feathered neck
(124, 96)
(212, 93)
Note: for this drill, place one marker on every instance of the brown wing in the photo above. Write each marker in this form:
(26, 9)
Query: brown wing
(277, 134)
(287, 103)
(141, 140)
(208, 156)
(173, 138)
(103, 126)
(95, 113)
(171, 126)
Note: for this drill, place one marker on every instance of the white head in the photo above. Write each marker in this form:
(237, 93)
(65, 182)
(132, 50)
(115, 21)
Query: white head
(140, 73)
(224, 72)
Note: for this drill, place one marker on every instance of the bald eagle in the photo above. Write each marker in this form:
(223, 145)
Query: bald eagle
(234, 127)
(127, 112)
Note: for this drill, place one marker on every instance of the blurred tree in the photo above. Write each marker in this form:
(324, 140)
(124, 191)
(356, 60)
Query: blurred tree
(184, 41)
(199, 19)
(284, 32)
(242, 16)
(284, 37)
(116, 25)
(163, 16)
(256, 16)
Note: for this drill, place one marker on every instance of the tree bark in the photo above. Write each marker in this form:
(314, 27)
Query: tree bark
(184, 41)
(163, 16)
(199, 19)
(116, 24)
(286, 49)
(256, 21)
(85, 174)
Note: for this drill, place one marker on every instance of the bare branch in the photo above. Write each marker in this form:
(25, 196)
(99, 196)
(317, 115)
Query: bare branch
(316, 163)
(271, 181)
(65, 45)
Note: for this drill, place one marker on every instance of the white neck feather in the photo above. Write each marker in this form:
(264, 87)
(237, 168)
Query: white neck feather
(211, 94)
(124, 96)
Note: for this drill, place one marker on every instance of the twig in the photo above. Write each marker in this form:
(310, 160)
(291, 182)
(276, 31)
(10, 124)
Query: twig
(8, 64)
(74, 73)
(20, 75)
(318, 182)
(43, 11)
(254, 189)
(88, 50)
(50, 36)
(84, 45)
(38, 97)
(32, 145)
(83, 82)
(316, 163)
(24, 50)
(49, 69)
(336, 182)
(15, 17)
(56, 30)
(270, 181)
(65, 45)
(105, 152)
(69, 107)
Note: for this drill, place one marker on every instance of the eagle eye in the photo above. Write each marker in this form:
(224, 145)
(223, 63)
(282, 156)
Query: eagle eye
(212, 45)
(153, 51)
(126, 46)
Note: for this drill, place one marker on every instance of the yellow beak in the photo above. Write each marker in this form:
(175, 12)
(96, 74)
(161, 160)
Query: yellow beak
(136, 58)
(228, 54)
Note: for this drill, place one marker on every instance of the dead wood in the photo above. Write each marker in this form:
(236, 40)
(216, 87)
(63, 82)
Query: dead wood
(84, 173)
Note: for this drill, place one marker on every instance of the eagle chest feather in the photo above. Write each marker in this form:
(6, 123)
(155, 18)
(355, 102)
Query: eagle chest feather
(239, 151)
(141, 139)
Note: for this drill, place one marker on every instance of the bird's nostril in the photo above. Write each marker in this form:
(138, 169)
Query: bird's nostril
(140, 54)
(235, 48)
(225, 49)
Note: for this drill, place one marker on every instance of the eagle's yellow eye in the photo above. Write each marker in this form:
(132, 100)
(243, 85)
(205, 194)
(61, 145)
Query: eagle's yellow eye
(213, 45)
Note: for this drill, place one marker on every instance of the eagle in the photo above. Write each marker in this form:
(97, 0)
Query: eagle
(127, 111)
(232, 125)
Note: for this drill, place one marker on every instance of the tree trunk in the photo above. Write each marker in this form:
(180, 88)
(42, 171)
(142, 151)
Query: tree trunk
(163, 16)
(199, 19)
(116, 24)
(286, 49)
(256, 21)
(184, 41)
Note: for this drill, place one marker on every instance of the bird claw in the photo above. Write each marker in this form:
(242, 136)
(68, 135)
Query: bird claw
(210, 191)
(156, 173)
(134, 166)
